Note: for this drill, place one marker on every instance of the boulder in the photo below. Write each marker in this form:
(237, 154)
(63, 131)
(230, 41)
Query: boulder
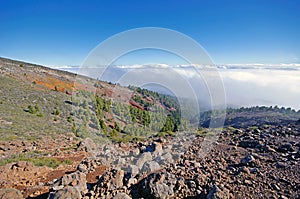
(160, 190)
(285, 148)
(135, 152)
(66, 193)
(248, 143)
(218, 192)
(247, 160)
(82, 168)
(156, 185)
(117, 181)
(133, 170)
(168, 158)
(144, 157)
(150, 167)
(76, 180)
(157, 148)
(111, 181)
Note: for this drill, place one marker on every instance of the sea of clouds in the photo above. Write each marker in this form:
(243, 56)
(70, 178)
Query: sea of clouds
(243, 84)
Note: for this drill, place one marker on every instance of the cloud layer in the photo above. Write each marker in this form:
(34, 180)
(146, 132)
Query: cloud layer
(244, 84)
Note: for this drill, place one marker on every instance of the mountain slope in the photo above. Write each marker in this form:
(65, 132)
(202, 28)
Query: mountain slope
(73, 103)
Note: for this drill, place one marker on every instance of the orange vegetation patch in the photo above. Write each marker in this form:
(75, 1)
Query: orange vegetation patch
(55, 84)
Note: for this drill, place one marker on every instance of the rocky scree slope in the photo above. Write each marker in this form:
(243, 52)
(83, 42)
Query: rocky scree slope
(244, 163)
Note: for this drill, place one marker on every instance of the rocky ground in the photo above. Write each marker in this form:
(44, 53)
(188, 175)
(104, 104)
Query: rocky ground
(257, 162)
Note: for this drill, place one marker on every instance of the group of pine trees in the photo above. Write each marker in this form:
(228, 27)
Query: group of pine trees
(105, 115)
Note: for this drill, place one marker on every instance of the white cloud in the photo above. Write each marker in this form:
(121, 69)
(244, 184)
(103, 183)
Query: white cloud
(245, 84)
(64, 67)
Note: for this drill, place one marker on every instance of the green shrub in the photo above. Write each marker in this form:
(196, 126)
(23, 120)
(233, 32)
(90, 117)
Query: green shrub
(166, 133)
(31, 109)
(70, 119)
(34, 110)
(56, 112)
(82, 131)
(40, 114)
(74, 129)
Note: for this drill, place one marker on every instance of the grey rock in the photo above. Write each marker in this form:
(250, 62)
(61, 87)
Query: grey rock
(167, 158)
(157, 148)
(218, 192)
(76, 180)
(286, 148)
(269, 149)
(150, 166)
(131, 182)
(280, 165)
(66, 193)
(154, 186)
(82, 168)
(249, 143)
(120, 161)
(257, 131)
(142, 159)
(276, 187)
(253, 170)
(133, 170)
(283, 197)
(117, 181)
(135, 152)
(56, 188)
(191, 184)
(197, 165)
(247, 160)
(121, 196)
(161, 190)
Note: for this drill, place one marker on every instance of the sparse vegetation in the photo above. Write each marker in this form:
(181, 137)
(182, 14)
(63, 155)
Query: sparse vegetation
(37, 161)
(56, 112)
(70, 119)
(34, 110)
(166, 133)
(31, 109)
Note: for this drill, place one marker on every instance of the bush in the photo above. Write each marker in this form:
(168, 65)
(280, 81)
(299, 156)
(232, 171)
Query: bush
(82, 131)
(34, 110)
(70, 119)
(40, 115)
(31, 109)
(166, 133)
(56, 112)
(113, 133)
(74, 129)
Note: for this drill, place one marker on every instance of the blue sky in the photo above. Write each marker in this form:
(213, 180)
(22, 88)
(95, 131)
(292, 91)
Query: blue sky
(63, 32)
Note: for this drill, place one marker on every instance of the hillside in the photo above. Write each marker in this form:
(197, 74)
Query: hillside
(72, 103)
